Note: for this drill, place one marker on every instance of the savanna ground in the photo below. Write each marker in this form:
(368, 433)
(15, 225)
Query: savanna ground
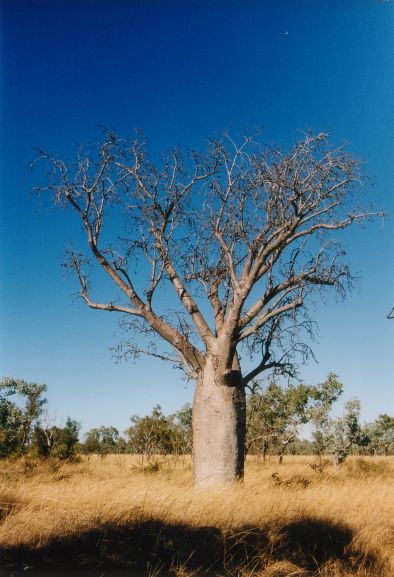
(105, 517)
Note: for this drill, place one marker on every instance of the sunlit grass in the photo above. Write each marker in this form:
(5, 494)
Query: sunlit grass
(284, 520)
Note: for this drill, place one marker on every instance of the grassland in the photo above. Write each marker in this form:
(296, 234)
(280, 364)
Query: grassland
(104, 517)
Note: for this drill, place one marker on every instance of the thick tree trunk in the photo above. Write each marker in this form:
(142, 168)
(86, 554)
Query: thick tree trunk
(219, 417)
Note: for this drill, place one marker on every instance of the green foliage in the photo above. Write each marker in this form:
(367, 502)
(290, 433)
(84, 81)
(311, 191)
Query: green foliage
(18, 417)
(384, 430)
(11, 427)
(56, 442)
(103, 441)
(150, 435)
(44, 441)
(324, 396)
(68, 440)
(302, 447)
(261, 414)
(182, 430)
(381, 434)
(275, 416)
(346, 432)
(154, 434)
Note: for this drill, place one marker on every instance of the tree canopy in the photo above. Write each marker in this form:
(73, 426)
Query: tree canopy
(18, 416)
(241, 232)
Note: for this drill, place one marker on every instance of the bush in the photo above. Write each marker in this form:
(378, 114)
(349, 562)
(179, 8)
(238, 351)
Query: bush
(365, 468)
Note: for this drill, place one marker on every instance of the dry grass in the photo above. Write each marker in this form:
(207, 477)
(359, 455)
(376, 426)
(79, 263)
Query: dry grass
(110, 517)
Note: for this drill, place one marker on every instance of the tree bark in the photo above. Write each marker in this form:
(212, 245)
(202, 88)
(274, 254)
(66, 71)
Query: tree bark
(219, 423)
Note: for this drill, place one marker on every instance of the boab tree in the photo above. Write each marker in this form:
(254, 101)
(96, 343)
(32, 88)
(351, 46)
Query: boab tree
(240, 234)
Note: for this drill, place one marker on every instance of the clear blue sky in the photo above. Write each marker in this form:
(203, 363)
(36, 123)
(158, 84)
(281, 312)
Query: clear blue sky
(184, 72)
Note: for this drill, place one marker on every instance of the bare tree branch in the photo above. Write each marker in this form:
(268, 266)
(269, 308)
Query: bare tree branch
(248, 229)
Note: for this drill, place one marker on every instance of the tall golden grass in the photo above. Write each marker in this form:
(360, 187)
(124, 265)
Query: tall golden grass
(284, 520)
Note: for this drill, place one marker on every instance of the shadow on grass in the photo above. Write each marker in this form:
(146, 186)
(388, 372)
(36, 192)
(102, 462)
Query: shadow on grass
(148, 546)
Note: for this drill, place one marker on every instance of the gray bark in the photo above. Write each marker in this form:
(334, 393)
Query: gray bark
(246, 249)
(219, 417)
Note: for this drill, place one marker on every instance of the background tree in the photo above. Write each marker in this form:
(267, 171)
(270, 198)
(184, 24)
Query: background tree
(262, 410)
(345, 433)
(302, 447)
(150, 435)
(182, 430)
(276, 415)
(324, 395)
(241, 234)
(103, 441)
(381, 434)
(11, 423)
(18, 417)
(67, 440)
(45, 440)
(294, 416)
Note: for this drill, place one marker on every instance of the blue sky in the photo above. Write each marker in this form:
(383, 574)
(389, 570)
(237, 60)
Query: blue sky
(183, 72)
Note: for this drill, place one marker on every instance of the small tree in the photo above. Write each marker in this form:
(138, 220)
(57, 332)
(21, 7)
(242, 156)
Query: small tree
(17, 419)
(323, 397)
(276, 416)
(381, 433)
(65, 447)
(182, 433)
(241, 234)
(150, 435)
(346, 432)
(295, 415)
(11, 425)
(102, 441)
(45, 440)
(302, 447)
(262, 409)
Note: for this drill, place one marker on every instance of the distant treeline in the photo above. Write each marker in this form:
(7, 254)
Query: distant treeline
(275, 418)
